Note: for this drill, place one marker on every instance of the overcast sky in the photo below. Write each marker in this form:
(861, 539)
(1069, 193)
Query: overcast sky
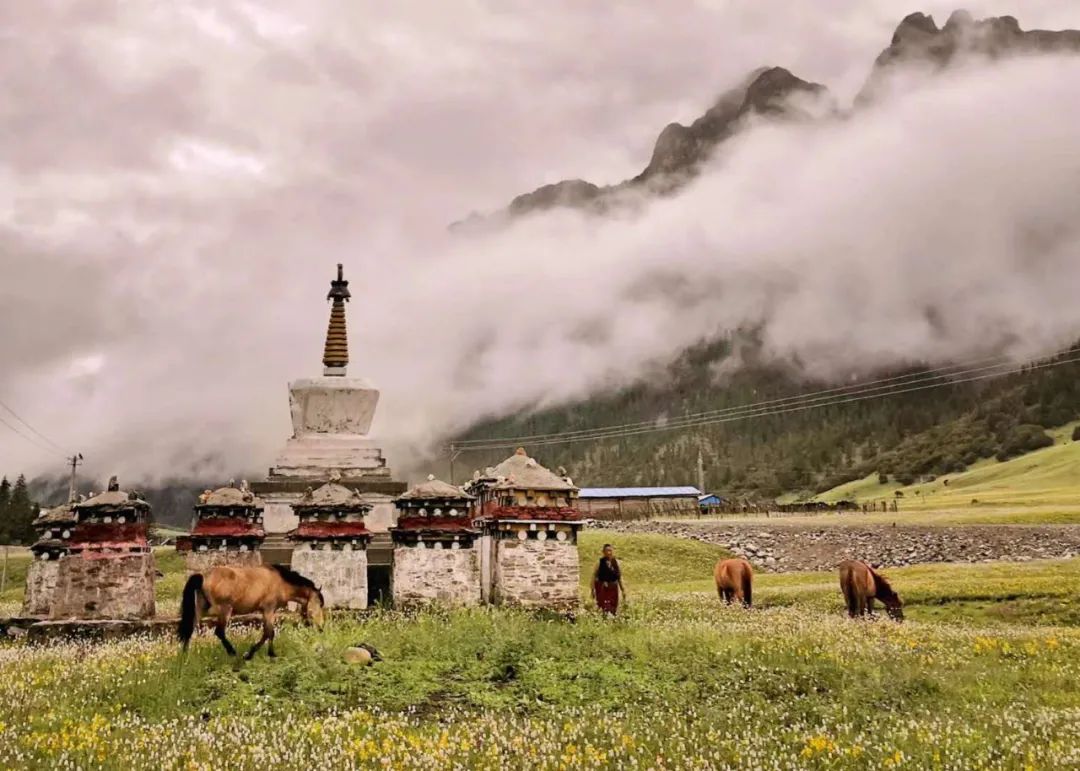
(178, 180)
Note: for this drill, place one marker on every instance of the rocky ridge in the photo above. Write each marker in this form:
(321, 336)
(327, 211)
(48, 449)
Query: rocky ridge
(775, 92)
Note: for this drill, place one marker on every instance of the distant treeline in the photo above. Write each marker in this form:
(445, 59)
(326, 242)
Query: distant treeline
(905, 437)
(17, 512)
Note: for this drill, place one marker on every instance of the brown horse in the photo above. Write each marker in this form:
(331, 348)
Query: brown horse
(861, 585)
(223, 591)
(735, 580)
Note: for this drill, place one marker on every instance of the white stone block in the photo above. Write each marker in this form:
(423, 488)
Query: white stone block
(447, 576)
(332, 405)
(41, 580)
(341, 575)
(534, 573)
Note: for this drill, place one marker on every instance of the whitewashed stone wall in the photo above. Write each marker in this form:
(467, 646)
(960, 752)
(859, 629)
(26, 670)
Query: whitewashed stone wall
(450, 576)
(41, 578)
(202, 561)
(105, 587)
(342, 575)
(535, 573)
(485, 544)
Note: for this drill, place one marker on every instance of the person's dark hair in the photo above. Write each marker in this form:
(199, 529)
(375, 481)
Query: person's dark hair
(606, 546)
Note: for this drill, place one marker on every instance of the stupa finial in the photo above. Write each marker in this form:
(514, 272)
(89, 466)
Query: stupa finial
(336, 352)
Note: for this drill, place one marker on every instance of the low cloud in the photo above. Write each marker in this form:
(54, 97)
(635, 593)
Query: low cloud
(175, 202)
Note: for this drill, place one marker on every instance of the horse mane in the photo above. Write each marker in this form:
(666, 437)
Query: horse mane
(882, 588)
(290, 576)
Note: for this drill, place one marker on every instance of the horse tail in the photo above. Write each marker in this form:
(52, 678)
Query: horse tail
(747, 586)
(188, 602)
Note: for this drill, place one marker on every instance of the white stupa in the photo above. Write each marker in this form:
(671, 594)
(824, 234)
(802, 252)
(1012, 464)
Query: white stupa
(331, 418)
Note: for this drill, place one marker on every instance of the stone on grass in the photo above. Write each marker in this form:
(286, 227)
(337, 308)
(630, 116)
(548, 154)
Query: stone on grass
(358, 656)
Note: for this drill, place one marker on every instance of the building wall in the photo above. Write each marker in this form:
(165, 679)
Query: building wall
(341, 575)
(104, 587)
(278, 516)
(534, 573)
(383, 514)
(450, 576)
(41, 578)
(202, 561)
(485, 545)
(638, 508)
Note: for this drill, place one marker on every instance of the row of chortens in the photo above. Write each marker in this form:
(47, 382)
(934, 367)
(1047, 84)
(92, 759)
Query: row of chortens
(332, 509)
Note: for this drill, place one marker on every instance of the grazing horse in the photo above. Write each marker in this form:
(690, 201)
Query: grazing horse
(861, 585)
(223, 591)
(735, 580)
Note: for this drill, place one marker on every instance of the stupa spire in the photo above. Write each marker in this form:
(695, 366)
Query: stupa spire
(336, 353)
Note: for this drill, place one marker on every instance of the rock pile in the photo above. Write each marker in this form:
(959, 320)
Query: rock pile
(782, 548)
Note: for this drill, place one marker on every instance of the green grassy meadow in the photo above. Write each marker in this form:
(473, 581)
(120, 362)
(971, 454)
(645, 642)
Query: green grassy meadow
(1046, 479)
(984, 674)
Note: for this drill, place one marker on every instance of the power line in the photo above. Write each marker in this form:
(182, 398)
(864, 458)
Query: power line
(30, 439)
(959, 369)
(754, 411)
(32, 429)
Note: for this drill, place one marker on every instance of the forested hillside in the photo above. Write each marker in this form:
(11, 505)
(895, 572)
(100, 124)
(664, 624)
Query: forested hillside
(903, 437)
(906, 436)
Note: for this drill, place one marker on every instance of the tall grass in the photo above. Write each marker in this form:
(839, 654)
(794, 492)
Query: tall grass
(676, 681)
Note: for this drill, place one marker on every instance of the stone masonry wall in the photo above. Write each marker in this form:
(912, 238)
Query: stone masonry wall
(536, 573)
(41, 579)
(202, 561)
(105, 587)
(342, 575)
(450, 576)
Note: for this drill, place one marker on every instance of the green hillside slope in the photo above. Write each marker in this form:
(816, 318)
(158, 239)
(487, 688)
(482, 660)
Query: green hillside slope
(1049, 476)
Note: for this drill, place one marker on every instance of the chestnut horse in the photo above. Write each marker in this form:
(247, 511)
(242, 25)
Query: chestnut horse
(735, 580)
(861, 585)
(223, 591)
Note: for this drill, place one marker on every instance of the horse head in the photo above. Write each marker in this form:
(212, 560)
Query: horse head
(883, 591)
(314, 610)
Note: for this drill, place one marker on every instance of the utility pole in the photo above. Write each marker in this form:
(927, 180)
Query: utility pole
(453, 452)
(700, 472)
(75, 460)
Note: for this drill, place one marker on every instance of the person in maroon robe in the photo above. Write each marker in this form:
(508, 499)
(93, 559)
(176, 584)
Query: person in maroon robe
(607, 582)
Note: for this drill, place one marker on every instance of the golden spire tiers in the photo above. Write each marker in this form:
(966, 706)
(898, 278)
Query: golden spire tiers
(336, 352)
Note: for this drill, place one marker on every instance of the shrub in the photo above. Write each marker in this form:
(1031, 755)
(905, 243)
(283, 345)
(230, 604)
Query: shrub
(1076, 434)
(883, 479)
(1021, 439)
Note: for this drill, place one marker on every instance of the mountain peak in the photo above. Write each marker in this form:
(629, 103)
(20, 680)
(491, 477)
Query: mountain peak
(918, 39)
(680, 150)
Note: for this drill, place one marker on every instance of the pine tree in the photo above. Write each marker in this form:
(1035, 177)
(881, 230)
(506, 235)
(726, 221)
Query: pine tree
(21, 512)
(5, 506)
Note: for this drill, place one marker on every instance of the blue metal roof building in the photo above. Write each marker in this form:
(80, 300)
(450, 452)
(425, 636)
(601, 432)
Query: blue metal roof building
(638, 502)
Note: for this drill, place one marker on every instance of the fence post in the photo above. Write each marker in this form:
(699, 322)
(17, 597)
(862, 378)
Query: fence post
(3, 573)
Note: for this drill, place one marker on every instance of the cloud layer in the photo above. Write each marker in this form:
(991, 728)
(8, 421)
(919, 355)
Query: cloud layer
(179, 181)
